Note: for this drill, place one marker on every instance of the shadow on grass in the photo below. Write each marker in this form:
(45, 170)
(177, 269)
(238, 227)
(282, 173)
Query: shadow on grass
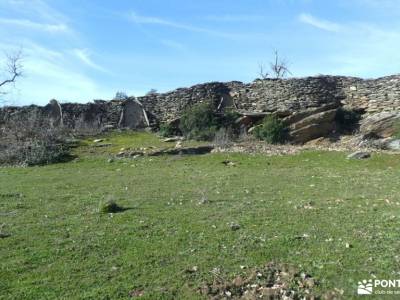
(112, 207)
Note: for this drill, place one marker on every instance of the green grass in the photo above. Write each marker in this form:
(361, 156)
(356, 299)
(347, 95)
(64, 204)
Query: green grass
(129, 140)
(62, 247)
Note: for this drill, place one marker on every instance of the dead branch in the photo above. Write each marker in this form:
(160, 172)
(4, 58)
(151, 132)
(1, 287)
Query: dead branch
(13, 68)
(262, 72)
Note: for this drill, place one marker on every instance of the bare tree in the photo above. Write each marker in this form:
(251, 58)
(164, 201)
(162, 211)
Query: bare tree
(13, 70)
(263, 74)
(151, 92)
(279, 68)
(121, 96)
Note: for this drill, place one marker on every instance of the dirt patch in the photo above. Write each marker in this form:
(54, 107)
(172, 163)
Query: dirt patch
(343, 143)
(200, 150)
(259, 147)
(272, 281)
(183, 151)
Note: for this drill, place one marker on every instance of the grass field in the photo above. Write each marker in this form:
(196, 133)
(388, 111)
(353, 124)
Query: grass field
(346, 213)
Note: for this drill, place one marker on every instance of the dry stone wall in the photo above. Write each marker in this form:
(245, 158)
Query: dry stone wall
(373, 95)
(286, 95)
(294, 99)
(169, 106)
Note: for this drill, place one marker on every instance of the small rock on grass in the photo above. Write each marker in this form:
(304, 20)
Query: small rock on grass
(4, 235)
(349, 245)
(173, 139)
(234, 226)
(359, 155)
(229, 163)
(136, 293)
(192, 270)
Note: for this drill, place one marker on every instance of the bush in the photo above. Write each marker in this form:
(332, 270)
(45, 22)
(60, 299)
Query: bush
(271, 130)
(223, 137)
(168, 130)
(24, 142)
(110, 206)
(199, 122)
(396, 133)
(347, 119)
(229, 120)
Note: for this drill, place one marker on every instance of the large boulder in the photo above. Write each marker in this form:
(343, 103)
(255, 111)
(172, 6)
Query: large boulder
(313, 126)
(383, 124)
(53, 111)
(133, 115)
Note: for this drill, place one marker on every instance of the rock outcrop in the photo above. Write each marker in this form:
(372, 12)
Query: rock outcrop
(380, 125)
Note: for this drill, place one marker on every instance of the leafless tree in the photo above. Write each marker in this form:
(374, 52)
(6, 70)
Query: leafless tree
(279, 68)
(13, 70)
(263, 74)
(151, 92)
(121, 96)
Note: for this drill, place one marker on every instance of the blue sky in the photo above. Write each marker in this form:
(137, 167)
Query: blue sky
(79, 50)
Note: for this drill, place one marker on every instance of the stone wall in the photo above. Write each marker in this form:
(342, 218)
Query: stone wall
(286, 95)
(373, 95)
(169, 106)
(290, 97)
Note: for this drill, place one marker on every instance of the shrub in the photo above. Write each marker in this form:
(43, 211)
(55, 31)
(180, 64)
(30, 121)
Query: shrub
(347, 119)
(229, 120)
(199, 122)
(25, 142)
(168, 130)
(223, 137)
(396, 133)
(271, 130)
(110, 206)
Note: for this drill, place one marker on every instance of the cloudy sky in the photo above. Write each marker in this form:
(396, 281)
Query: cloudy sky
(79, 50)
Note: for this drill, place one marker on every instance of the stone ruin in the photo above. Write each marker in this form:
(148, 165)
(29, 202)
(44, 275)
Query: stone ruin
(308, 106)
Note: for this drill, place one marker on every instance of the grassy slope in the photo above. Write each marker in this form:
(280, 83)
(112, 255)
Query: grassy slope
(62, 248)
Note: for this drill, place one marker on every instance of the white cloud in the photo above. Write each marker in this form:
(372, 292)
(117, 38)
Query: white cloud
(28, 24)
(84, 56)
(59, 81)
(153, 20)
(173, 44)
(234, 18)
(319, 23)
(51, 68)
(34, 9)
(139, 19)
(49, 73)
(368, 50)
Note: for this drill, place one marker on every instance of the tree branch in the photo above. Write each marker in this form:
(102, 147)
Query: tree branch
(14, 68)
